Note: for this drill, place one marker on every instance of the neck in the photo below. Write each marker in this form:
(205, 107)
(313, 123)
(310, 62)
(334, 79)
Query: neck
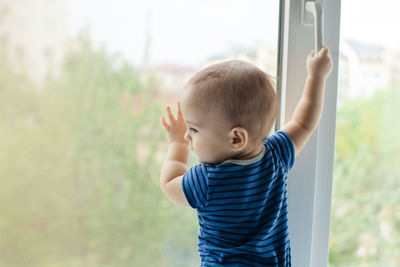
(249, 153)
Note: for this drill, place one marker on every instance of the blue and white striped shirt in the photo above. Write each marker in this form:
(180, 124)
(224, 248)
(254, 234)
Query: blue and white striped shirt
(242, 207)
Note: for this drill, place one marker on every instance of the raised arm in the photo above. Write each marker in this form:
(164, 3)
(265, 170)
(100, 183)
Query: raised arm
(309, 109)
(174, 166)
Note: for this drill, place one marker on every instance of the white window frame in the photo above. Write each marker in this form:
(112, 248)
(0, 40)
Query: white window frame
(310, 181)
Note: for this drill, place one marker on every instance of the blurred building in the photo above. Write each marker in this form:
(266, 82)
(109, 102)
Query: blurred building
(262, 55)
(169, 78)
(365, 68)
(392, 58)
(34, 34)
(166, 77)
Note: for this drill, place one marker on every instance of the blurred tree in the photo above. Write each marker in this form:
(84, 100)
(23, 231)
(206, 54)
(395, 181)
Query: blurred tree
(80, 163)
(366, 193)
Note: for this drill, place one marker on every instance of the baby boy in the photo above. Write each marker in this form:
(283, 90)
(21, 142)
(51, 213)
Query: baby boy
(239, 188)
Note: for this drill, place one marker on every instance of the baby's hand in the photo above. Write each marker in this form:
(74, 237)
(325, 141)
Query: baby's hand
(320, 65)
(177, 128)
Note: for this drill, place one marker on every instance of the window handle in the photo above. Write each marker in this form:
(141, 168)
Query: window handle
(313, 15)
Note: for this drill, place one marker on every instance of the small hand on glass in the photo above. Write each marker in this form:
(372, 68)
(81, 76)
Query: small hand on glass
(176, 128)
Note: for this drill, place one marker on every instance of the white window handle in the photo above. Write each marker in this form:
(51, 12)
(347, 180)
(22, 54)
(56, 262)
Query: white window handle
(314, 10)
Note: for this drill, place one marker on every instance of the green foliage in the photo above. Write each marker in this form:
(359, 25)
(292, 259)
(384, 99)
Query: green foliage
(365, 227)
(80, 161)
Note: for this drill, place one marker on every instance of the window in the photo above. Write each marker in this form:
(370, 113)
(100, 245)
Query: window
(310, 181)
(81, 153)
(365, 203)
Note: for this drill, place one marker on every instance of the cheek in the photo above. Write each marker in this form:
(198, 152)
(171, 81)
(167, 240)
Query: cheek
(198, 142)
(205, 144)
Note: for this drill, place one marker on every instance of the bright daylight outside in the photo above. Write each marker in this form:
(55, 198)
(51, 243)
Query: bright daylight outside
(83, 85)
(365, 222)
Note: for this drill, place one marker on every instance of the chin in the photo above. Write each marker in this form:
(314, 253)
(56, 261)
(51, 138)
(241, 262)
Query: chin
(205, 161)
(211, 161)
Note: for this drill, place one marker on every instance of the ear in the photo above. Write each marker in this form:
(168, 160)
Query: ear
(239, 138)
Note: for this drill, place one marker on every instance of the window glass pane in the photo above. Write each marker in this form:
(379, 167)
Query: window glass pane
(365, 229)
(83, 85)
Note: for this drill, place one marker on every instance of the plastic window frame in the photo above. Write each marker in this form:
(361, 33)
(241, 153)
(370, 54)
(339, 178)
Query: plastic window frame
(310, 180)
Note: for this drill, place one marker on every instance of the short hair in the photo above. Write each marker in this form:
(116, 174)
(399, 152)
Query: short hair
(243, 93)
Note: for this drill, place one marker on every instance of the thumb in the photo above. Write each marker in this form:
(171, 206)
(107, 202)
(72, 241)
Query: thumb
(324, 50)
(312, 53)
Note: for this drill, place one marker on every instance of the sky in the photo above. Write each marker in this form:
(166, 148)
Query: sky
(182, 31)
(188, 31)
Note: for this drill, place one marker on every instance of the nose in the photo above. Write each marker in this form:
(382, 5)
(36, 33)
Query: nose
(187, 136)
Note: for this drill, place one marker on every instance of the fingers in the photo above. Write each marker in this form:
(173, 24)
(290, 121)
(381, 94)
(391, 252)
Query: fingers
(170, 115)
(324, 51)
(179, 116)
(165, 124)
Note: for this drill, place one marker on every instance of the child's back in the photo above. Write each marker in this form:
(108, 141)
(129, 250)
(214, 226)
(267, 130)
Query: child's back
(240, 186)
(242, 207)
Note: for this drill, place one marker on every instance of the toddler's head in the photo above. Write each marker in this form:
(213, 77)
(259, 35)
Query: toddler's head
(229, 108)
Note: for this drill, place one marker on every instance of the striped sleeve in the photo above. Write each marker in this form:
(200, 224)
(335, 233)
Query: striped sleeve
(194, 186)
(284, 148)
